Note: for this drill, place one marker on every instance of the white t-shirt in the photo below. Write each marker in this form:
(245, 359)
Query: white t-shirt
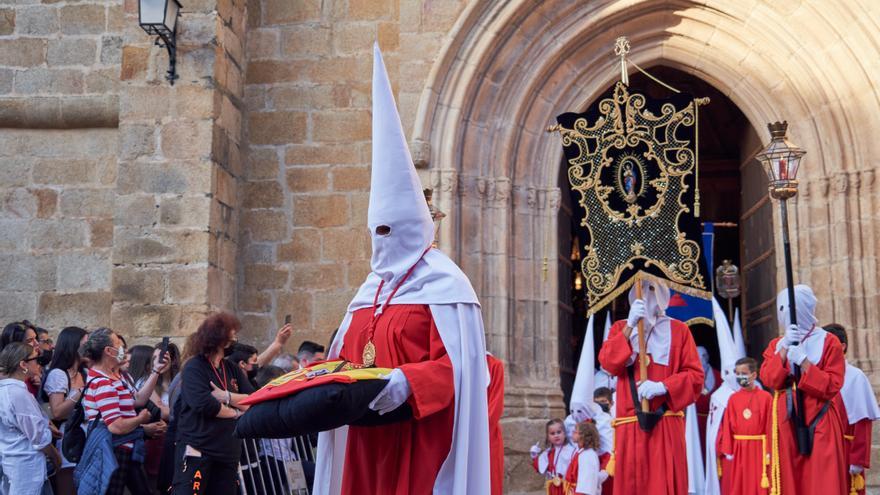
(57, 383)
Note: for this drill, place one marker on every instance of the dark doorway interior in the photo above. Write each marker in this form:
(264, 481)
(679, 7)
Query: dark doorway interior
(731, 188)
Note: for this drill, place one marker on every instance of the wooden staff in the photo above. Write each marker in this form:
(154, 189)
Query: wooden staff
(643, 353)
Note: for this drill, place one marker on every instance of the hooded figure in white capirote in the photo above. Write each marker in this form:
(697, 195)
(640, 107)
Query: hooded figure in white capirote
(416, 313)
(730, 353)
(806, 364)
(659, 461)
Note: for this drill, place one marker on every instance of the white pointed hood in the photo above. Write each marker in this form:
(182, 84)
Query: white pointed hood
(582, 390)
(726, 346)
(805, 307)
(738, 339)
(396, 197)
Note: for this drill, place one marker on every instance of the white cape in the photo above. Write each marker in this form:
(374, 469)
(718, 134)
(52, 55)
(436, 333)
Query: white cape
(466, 469)
(858, 396)
(694, 455)
(717, 406)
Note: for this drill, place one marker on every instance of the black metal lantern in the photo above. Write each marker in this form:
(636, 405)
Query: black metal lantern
(159, 18)
(781, 160)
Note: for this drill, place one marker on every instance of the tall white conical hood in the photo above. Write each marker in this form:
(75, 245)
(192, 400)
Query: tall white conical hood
(726, 346)
(396, 196)
(738, 335)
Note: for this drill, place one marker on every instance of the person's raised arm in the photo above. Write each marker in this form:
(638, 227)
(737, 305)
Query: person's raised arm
(160, 364)
(276, 346)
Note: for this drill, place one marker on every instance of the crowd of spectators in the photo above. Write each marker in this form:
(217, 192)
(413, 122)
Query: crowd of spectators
(86, 414)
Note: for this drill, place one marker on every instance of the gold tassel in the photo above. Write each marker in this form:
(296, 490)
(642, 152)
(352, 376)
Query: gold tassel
(609, 468)
(775, 488)
(765, 482)
(857, 483)
(718, 464)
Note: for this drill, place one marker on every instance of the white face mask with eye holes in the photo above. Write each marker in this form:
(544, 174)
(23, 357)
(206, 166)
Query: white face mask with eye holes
(400, 223)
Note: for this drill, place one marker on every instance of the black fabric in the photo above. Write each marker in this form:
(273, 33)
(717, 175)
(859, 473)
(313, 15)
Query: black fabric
(647, 419)
(196, 409)
(129, 474)
(204, 475)
(166, 462)
(631, 162)
(74, 440)
(804, 434)
(317, 409)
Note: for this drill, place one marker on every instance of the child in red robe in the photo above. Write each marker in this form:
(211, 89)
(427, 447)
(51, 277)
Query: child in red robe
(553, 462)
(744, 436)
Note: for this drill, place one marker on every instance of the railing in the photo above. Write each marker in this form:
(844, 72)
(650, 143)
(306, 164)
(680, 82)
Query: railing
(276, 466)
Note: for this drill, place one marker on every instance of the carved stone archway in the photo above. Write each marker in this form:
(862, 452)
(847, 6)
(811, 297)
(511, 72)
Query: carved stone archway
(510, 67)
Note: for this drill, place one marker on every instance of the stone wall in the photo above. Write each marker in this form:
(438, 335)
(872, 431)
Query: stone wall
(59, 66)
(175, 245)
(305, 248)
(59, 63)
(56, 225)
(127, 215)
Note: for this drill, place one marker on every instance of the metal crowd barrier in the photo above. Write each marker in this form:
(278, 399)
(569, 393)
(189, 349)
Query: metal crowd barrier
(276, 466)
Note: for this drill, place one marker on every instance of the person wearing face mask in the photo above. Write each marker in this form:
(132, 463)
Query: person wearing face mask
(47, 346)
(245, 357)
(418, 314)
(652, 462)
(730, 353)
(207, 455)
(110, 405)
(804, 409)
(744, 436)
(859, 409)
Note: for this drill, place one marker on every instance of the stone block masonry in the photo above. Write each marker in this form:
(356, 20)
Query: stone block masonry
(305, 246)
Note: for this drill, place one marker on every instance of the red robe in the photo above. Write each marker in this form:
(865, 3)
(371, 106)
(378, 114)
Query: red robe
(822, 473)
(608, 484)
(402, 458)
(554, 470)
(571, 476)
(856, 443)
(747, 414)
(496, 410)
(653, 463)
(703, 402)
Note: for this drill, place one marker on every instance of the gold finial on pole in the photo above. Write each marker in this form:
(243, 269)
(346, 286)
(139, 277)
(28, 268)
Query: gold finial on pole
(621, 49)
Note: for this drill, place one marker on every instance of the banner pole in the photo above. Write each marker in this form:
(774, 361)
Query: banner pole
(643, 354)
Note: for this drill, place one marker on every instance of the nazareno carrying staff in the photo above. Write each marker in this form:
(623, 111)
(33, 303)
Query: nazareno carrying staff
(807, 438)
(650, 453)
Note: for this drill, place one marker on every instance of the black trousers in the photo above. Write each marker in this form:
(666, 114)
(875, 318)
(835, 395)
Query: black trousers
(129, 474)
(204, 475)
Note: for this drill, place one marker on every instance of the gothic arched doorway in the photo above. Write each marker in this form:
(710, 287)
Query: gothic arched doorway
(734, 198)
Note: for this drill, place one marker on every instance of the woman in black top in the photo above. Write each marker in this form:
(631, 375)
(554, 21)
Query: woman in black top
(207, 452)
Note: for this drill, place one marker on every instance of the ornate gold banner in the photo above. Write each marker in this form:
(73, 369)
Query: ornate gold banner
(631, 164)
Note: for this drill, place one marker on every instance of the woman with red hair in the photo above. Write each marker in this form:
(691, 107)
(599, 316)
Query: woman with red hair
(207, 452)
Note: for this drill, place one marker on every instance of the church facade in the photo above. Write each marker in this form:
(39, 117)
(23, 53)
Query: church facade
(133, 203)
